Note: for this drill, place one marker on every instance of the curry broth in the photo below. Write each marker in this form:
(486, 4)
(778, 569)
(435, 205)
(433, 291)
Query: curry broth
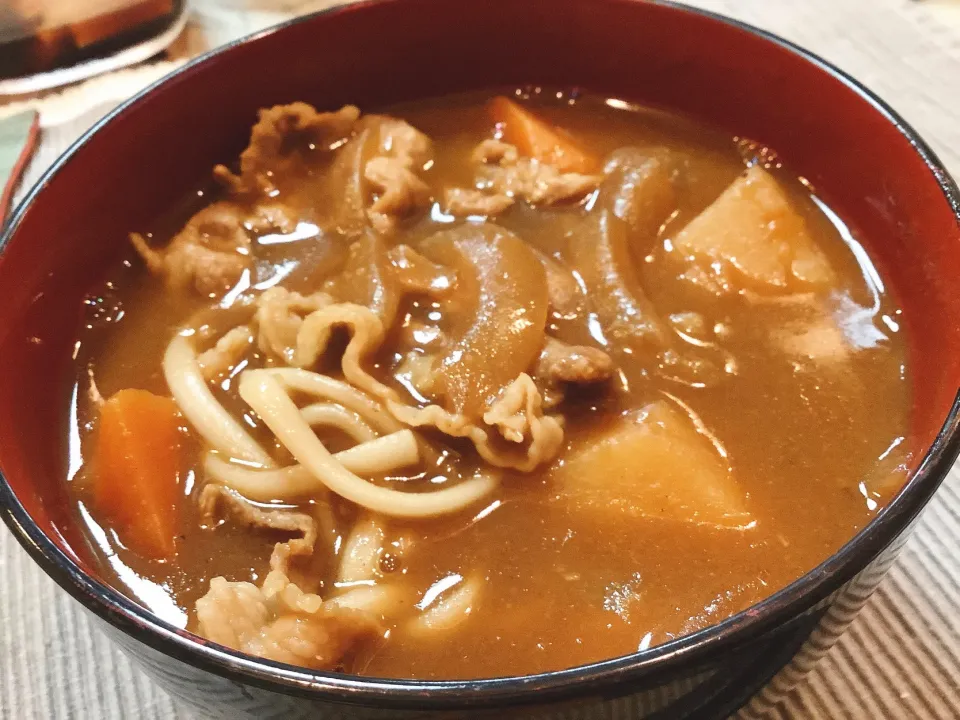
(812, 444)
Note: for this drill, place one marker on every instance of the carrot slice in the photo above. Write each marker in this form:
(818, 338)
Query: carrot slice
(137, 470)
(535, 137)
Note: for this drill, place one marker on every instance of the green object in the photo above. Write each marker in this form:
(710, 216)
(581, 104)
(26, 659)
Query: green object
(18, 135)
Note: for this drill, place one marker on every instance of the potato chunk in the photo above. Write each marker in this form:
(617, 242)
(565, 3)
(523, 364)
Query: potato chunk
(653, 464)
(753, 229)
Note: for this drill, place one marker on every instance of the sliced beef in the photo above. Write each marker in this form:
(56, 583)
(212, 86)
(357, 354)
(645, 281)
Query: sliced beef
(278, 318)
(393, 174)
(316, 641)
(271, 216)
(495, 152)
(280, 623)
(463, 202)
(398, 191)
(578, 364)
(399, 139)
(226, 353)
(209, 254)
(278, 140)
(283, 519)
(503, 172)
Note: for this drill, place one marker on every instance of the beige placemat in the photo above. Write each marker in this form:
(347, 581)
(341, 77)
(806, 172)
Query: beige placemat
(899, 659)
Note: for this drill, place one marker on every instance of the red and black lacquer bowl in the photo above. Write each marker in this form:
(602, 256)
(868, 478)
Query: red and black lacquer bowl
(138, 162)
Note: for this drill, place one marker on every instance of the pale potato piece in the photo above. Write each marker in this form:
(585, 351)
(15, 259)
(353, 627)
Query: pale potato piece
(753, 229)
(821, 334)
(653, 464)
(820, 341)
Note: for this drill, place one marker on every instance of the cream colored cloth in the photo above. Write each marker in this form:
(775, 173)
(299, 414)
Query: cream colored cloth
(899, 659)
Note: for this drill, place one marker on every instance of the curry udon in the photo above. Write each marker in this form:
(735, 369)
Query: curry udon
(483, 386)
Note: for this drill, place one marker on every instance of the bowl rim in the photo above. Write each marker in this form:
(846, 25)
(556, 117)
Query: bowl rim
(693, 650)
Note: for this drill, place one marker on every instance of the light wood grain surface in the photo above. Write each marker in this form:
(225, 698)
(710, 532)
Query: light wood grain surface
(901, 656)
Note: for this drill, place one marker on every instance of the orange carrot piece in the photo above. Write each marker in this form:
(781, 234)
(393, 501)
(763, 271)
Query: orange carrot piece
(536, 138)
(137, 470)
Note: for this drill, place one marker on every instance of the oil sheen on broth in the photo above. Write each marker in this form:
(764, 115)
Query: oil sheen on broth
(720, 358)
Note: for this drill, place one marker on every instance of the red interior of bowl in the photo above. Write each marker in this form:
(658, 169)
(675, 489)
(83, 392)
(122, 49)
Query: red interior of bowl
(146, 158)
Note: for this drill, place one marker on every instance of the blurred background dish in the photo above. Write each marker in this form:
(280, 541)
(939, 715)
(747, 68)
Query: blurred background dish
(48, 43)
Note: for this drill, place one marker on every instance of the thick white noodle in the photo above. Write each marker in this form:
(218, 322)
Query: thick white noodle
(382, 600)
(262, 391)
(376, 457)
(339, 392)
(390, 452)
(334, 415)
(361, 553)
(449, 610)
(201, 409)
